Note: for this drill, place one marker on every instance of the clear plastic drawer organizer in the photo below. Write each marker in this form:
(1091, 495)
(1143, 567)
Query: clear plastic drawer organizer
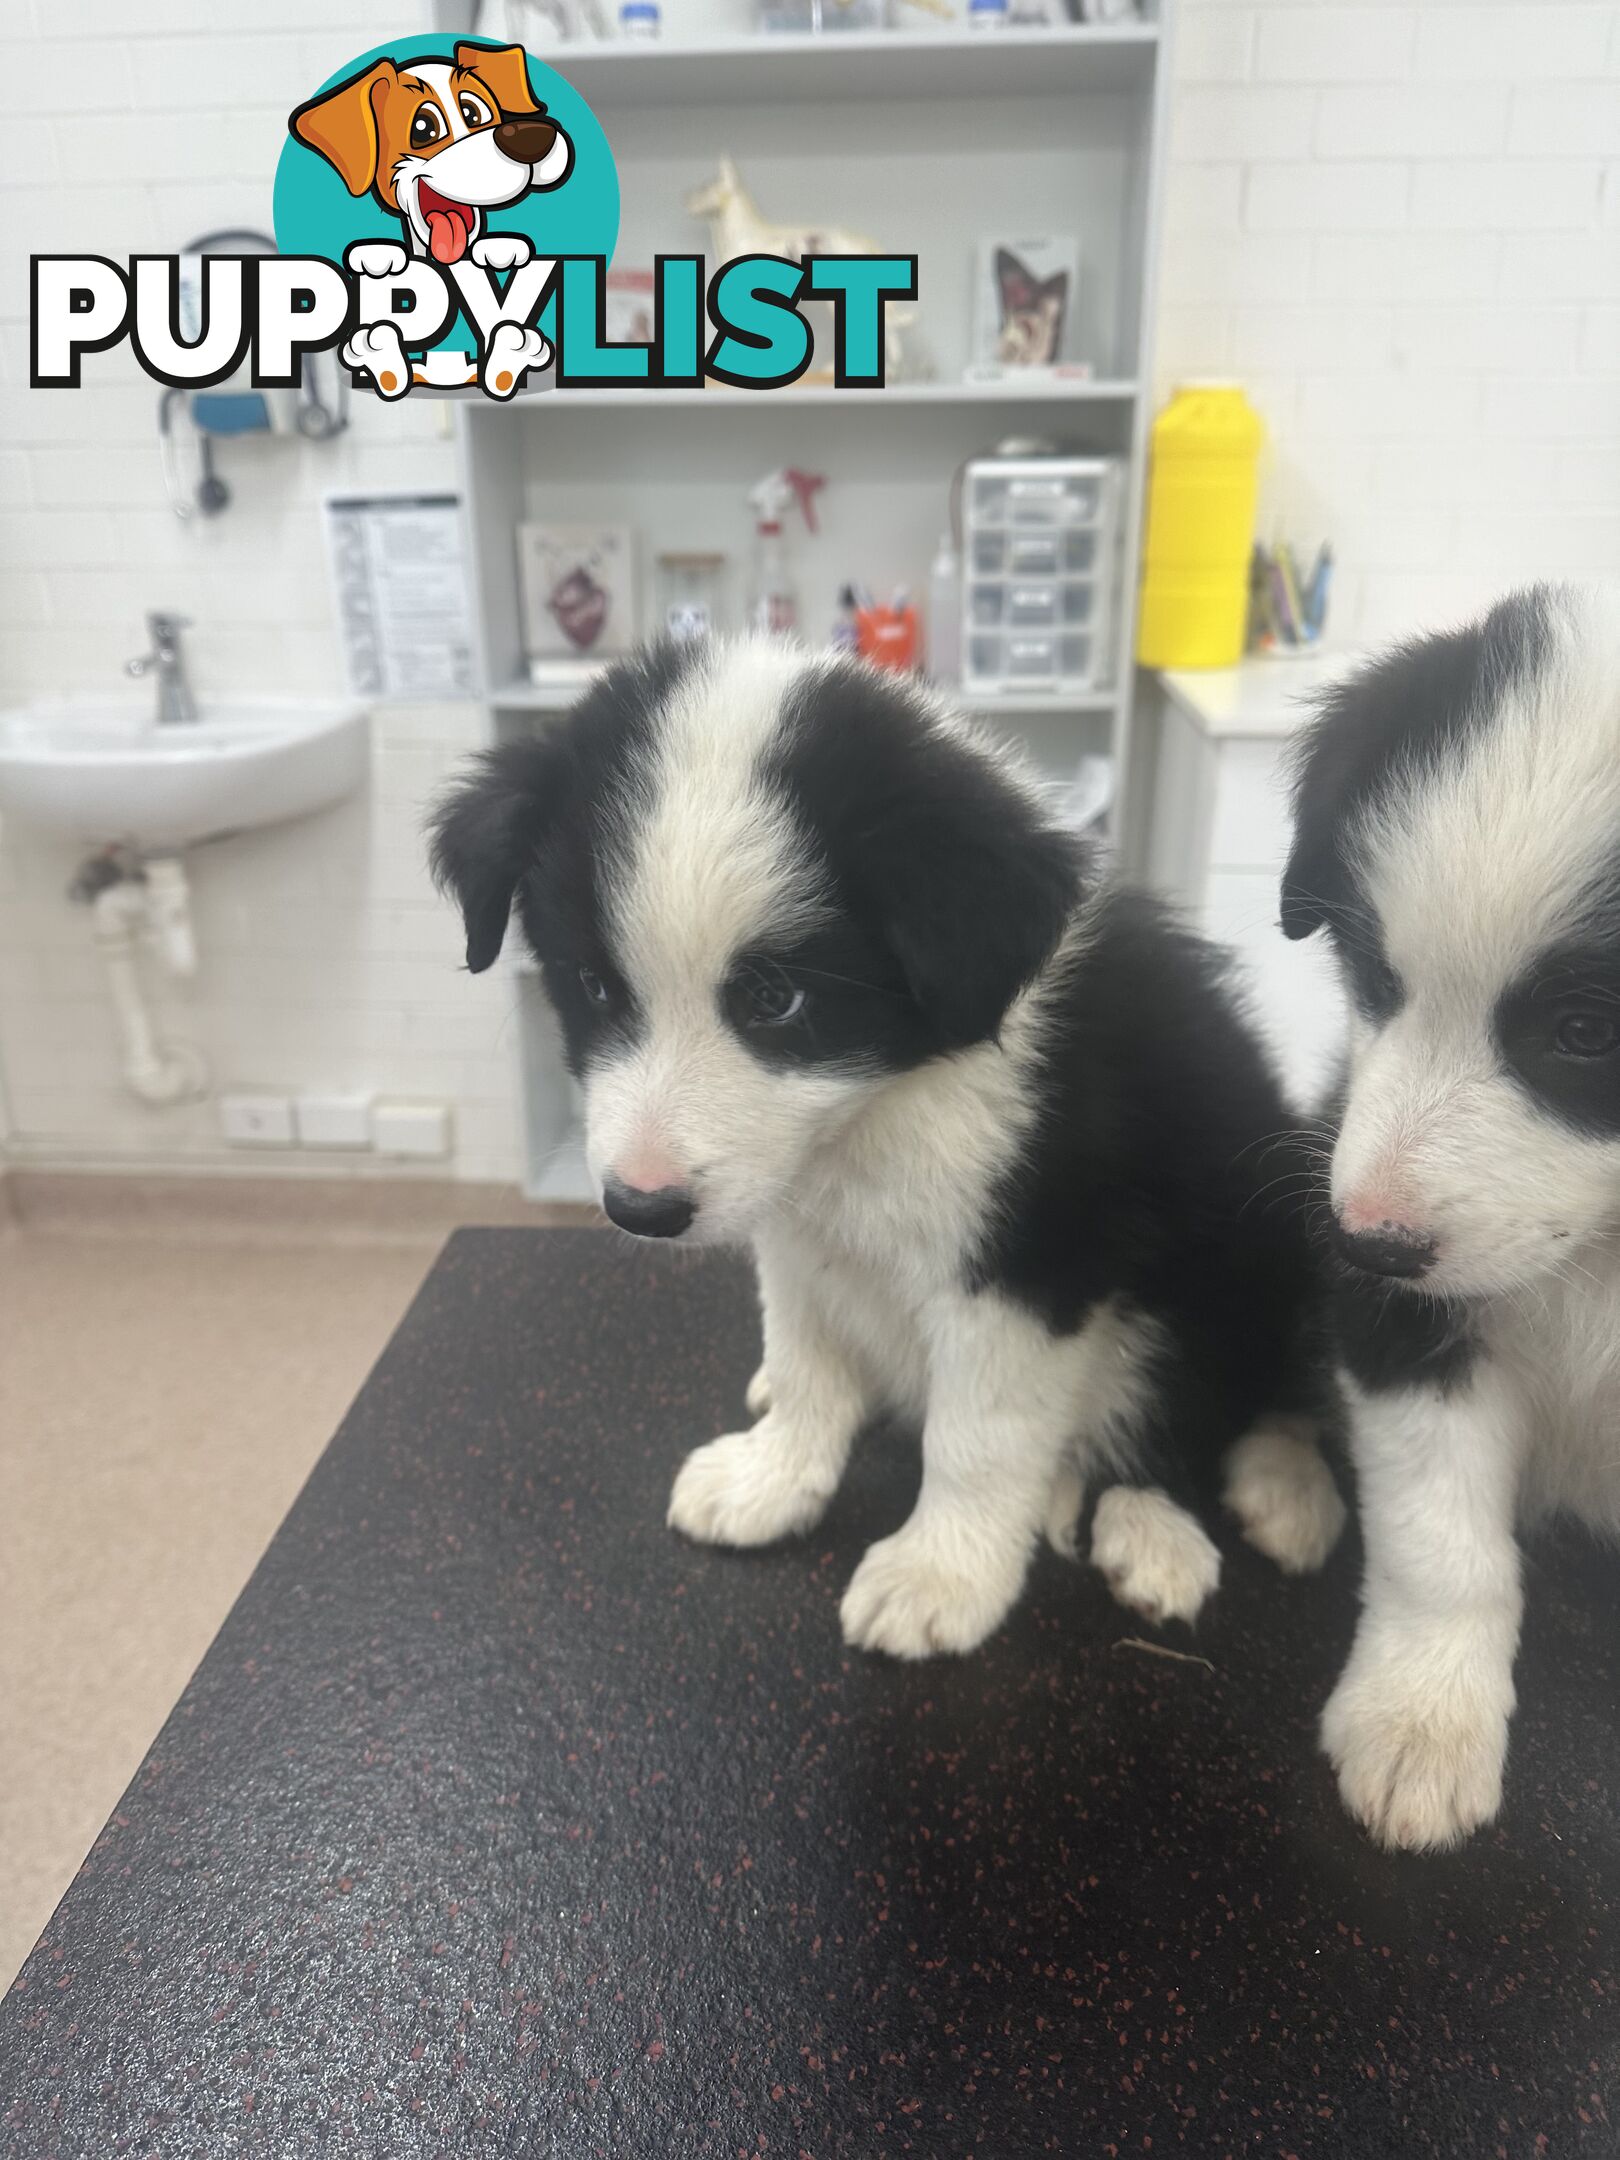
(1041, 545)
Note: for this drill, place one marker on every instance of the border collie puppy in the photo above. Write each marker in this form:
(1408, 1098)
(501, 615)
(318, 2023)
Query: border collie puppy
(1458, 835)
(837, 986)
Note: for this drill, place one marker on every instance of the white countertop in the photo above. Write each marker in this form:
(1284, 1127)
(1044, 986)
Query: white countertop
(1258, 698)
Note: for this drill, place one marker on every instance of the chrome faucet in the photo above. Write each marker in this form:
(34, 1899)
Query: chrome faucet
(176, 707)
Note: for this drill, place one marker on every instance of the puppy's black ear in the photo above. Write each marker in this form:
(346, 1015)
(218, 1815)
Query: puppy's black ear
(1304, 908)
(1328, 764)
(488, 828)
(940, 851)
(1395, 717)
(977, 892)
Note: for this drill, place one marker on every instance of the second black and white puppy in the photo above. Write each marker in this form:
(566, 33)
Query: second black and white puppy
(839, 987)
(1458, 835)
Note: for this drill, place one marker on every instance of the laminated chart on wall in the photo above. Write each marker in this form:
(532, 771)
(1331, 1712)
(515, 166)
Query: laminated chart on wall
(400, 588)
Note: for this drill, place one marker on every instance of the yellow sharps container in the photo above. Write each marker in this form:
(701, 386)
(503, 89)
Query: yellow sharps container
(1203, 478)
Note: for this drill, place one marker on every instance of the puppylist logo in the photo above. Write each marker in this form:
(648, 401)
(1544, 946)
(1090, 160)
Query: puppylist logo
(445, 216)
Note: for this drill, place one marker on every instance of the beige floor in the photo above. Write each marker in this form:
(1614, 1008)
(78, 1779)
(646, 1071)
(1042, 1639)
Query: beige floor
(164, 1390)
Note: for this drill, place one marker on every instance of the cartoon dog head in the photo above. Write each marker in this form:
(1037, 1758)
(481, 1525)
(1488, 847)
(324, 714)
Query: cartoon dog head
(439, 142)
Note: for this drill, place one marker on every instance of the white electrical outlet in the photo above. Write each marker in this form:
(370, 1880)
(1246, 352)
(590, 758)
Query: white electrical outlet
(256, 1120)
(333, 1121)
(400, 1128)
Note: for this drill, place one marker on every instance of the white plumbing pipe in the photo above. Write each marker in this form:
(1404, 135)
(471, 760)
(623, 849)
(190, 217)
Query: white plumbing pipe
(156, 1072)
(168, 912)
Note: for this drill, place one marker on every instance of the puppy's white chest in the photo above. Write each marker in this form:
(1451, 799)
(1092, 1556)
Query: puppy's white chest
(1563, 1358)
(878, 1322)
(872, 1276)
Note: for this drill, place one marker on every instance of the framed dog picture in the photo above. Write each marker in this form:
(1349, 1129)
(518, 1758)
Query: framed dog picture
(628, 311)
(1025, 300)
(579, 590)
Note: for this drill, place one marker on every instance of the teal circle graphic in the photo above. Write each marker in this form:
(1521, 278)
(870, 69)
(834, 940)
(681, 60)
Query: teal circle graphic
(315, 214)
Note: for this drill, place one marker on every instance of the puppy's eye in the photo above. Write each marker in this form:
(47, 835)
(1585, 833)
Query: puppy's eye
(594, 987)
(426, 128)
(768, 1000)
(1586, 1034)
(474, 111)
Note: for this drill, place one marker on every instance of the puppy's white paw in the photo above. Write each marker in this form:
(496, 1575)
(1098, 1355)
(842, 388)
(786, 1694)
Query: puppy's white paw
(917, 1594)
(379, 351)
(1155, 1556)
(501, 251)
(1063, 1505)
(745, 1489)
(376, 258)
(758, 1398)
(1283, 1495)
(1419, 1758)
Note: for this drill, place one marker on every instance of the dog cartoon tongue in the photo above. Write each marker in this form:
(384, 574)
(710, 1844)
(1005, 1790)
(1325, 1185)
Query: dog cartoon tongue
(449, 224)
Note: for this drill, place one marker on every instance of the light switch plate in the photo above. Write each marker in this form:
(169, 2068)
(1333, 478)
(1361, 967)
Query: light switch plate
(333, 1121)
(256, 1120)
(422, 1129)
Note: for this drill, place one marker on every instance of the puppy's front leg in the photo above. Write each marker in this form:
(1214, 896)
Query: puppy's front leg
(1417, 1726)
(1003, 1398)
(751, 1488)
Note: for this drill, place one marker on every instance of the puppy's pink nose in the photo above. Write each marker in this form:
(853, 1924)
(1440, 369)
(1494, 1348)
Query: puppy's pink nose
(1373, 1209)
(648, 1170)
(666, 1211)
(1373, 1235)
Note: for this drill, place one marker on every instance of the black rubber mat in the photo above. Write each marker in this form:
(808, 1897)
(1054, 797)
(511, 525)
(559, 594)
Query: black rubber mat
(499, 1821)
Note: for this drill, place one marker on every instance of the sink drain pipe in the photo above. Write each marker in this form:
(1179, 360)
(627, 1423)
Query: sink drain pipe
(129, 904)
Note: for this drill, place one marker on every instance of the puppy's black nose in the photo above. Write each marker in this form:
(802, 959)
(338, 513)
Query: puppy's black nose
(525, 141)
(1388, 1249)
(665, 1213)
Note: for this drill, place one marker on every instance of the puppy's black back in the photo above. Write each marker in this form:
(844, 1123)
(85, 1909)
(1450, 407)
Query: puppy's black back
(1167, 1169)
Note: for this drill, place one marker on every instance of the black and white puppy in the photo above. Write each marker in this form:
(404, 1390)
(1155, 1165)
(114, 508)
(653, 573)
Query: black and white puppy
(1458, 834)
(838, 986)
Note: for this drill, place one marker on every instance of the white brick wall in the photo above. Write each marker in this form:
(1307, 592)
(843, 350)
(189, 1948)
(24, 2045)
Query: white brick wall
(327, 960)
(1397, 223)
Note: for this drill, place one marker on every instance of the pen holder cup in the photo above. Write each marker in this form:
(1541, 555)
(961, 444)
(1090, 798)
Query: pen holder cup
(887, 637)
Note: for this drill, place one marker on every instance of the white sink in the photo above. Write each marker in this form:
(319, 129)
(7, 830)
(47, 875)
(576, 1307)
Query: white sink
(100, 769)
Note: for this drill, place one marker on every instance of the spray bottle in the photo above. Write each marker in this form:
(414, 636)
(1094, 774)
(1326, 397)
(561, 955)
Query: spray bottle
(945, 614)
(773, 605)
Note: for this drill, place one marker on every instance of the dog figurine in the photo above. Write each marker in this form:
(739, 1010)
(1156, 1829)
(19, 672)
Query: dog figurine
(439, 143)
(736, 228)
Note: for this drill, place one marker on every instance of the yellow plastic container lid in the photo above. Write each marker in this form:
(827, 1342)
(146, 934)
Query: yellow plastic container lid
(1203, 487)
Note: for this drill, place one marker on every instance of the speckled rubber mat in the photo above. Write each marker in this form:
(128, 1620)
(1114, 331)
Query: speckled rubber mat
(499, 1822)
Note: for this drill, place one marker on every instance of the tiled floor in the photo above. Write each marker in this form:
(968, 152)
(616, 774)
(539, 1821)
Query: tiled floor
(164, 1390)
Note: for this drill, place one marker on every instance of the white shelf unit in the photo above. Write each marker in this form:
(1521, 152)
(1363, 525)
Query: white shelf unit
(927, 140)
(523, 696)
(860, 66)
(1068, 391)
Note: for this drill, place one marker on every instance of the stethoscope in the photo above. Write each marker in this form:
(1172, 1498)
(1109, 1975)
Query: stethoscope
(204, 493)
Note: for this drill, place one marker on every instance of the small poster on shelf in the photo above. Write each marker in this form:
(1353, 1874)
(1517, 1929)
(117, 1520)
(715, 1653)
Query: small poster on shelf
(1025, 303)
(629, 309)
(400, 589)
(579, 590)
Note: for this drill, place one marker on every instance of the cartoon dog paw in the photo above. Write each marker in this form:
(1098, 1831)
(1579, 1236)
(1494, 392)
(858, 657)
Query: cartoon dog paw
(512, 351)
(376, 258)
(379, 351)
(501, 251)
